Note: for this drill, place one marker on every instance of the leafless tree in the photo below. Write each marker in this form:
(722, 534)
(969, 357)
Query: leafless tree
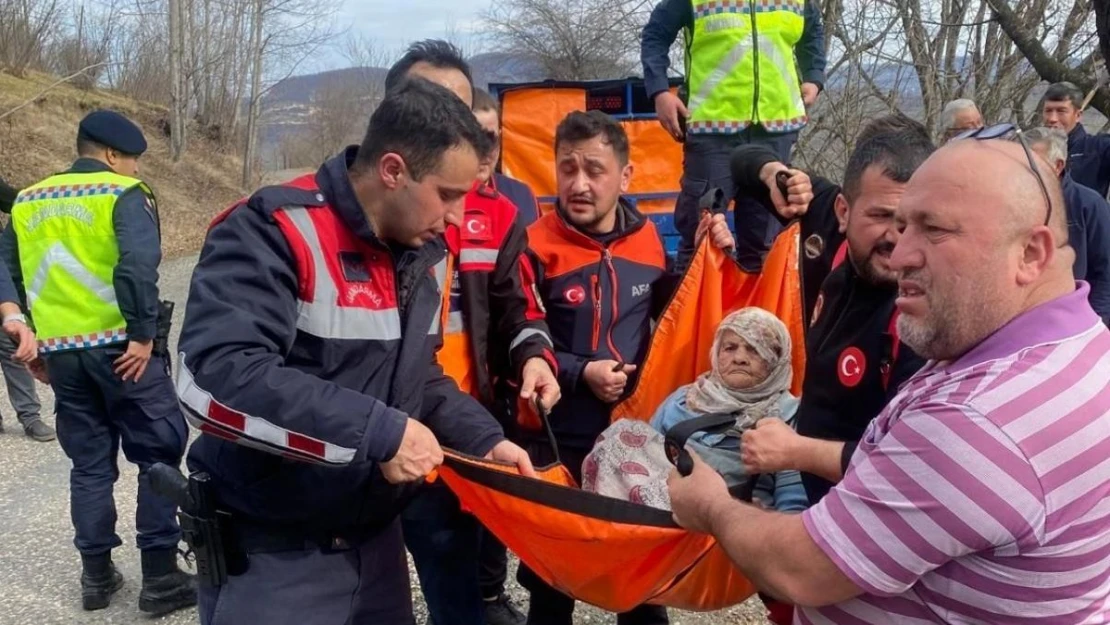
(572, 39)
(86, 44)
(283, 35)
(27, 28)
(887, 55)
(179, 105)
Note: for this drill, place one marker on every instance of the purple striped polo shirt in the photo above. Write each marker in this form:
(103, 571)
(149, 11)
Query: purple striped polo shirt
(981, 494)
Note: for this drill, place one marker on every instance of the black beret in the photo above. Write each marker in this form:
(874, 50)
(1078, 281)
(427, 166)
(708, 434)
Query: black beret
(110, 129)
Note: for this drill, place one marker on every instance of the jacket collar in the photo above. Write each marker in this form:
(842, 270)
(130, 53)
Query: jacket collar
(1077, 136)
(85, 165)
(333, 181)
(629, 220)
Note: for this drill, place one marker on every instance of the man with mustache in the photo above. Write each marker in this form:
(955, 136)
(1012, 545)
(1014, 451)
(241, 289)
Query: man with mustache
(854, 362)
(601, 275)
(979, 494)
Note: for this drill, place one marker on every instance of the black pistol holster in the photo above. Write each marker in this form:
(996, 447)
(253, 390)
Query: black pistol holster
(204, 528)
(162, 332)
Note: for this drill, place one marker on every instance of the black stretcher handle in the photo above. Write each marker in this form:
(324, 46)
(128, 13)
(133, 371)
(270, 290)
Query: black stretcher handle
(543, 413)
(675, 446)
(781, 179)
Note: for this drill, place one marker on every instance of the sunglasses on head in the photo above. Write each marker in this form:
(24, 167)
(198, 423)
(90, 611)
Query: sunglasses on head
(999, 131)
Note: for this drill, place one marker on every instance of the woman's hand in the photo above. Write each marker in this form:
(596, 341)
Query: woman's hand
(770, 446)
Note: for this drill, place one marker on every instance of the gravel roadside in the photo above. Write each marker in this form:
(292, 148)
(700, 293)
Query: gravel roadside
(39, 567)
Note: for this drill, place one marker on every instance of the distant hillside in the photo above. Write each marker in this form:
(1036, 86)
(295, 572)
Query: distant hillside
(38, 140)
(289, 104)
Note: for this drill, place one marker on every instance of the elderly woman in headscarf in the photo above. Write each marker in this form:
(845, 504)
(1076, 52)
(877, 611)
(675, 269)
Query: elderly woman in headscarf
(749, 379)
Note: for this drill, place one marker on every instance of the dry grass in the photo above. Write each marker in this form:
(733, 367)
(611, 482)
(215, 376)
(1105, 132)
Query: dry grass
(38, 140)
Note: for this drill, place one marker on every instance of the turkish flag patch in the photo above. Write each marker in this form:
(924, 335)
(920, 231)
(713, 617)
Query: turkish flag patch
(850, 367)
(477, 227)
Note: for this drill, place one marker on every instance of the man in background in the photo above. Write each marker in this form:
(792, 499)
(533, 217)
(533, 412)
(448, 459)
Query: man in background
(959, 116)
(1088, 155)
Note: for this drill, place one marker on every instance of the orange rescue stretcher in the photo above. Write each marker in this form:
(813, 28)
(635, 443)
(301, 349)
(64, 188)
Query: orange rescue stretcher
(616, 554)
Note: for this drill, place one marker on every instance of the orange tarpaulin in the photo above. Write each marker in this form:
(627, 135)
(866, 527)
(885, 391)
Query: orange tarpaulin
(714, 286)
(616, 554)
(528, 121)
(529, 117)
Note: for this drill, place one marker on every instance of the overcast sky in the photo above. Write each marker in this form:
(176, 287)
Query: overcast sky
(395, 24)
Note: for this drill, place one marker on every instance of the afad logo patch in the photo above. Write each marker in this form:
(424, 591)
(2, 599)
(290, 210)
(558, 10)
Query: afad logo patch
(851, 366)
(575, 294)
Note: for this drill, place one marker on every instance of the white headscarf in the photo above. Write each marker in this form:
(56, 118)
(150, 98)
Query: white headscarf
(769, 338)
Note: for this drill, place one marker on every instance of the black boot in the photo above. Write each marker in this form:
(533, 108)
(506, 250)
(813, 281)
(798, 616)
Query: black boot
(99, 580)
(165, 587)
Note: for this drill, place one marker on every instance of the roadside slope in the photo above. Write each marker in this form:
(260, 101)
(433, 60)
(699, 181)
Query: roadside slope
(39, 140)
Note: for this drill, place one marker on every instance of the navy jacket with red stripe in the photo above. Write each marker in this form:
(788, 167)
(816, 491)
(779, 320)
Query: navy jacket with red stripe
(300, 366)
(503, 319)
(600, 299)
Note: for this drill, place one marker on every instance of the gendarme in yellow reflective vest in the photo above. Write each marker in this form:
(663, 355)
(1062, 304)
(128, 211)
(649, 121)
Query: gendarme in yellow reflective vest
(741, 67)
(68, 252)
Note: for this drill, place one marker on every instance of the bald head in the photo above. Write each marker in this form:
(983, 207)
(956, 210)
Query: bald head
(975, 251)
(1018, 204)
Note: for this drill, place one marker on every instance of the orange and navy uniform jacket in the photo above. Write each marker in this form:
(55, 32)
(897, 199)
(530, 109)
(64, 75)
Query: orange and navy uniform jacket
(306, 344)
(600, 295)
(494, 322)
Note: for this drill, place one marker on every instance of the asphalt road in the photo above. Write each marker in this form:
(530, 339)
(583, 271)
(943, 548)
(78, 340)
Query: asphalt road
(40, 568)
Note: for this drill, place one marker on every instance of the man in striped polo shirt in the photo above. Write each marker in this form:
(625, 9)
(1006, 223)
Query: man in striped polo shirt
(981, 494)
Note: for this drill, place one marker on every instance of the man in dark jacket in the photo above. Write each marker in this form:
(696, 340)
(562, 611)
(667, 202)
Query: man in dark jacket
(601, 272)
(854, 359)
(489, 115)
(21, 385)
(1088, 155)
(308, 361)
(1088, 219)
(495, 341)
(752, 72)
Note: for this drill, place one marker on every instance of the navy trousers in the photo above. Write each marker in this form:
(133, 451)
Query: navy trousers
(706, 166)
(97, 413)
(445, 544)
(367, 584)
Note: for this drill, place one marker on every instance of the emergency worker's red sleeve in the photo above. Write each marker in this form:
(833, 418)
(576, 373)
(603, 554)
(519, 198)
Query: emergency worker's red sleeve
(515, 303)
(238, 332)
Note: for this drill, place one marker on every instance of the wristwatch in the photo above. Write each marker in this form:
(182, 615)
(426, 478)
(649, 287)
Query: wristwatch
(17, 317)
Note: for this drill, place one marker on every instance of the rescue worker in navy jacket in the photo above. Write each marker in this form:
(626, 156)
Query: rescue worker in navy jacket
(489, 115)
(307, 359)
(1088, 219)
(1088, 155)
(83, 247)
(495, 340)
(601, 272)
(854, 359)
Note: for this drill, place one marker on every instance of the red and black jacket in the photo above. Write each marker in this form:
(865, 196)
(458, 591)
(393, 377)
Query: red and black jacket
(306, 344)
(855, 361)
(600, 299)
(494, 289)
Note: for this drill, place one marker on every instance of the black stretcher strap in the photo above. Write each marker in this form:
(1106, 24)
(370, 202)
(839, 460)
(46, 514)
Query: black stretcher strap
(675, 446)
(560, 497)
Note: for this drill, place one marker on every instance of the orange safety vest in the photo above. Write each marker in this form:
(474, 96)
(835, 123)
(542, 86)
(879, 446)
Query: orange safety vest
(454, 356)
